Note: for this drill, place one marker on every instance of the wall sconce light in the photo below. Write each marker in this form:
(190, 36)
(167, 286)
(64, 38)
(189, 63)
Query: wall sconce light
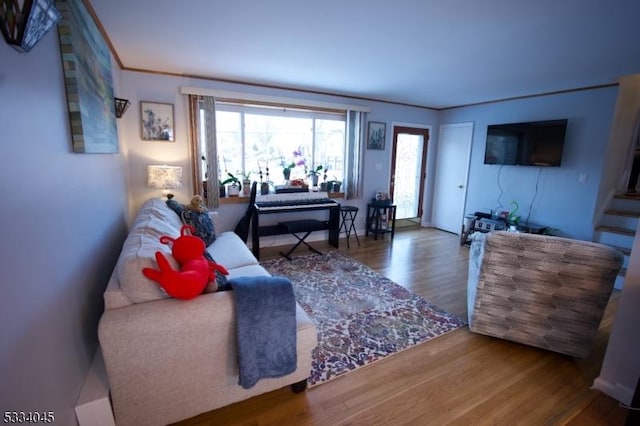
(25, 22)
(121, 106)
(165, 178)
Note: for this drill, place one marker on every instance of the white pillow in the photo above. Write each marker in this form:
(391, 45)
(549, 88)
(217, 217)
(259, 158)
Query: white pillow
(215, 219)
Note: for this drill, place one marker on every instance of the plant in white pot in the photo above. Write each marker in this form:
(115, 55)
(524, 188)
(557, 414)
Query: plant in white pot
(234, 185)
(314, 174)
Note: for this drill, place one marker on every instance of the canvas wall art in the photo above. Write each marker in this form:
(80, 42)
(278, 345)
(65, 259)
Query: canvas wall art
(86, 61)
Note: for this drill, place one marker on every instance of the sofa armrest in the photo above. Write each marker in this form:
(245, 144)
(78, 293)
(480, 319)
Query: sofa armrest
(172, 359)
(476, 254)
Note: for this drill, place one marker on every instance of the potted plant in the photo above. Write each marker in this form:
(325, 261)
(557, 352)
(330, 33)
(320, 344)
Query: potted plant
(324, 184)
(286, 170)
(314, 174)
(222, 190)
(513, 218)
(264, 188)
(234, 187)
(246, 183)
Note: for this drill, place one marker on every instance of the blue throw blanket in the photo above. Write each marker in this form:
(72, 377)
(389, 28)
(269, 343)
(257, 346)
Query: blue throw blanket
(266, 326)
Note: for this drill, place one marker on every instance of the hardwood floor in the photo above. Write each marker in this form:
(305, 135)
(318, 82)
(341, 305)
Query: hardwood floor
(460, 378)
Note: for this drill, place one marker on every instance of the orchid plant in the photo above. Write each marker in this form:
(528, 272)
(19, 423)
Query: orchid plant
(313, 171)
(287, 167)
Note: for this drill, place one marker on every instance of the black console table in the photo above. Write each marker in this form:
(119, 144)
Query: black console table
(376, 212)
(332, 224)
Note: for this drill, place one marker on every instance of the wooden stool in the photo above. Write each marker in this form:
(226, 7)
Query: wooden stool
(349, 214)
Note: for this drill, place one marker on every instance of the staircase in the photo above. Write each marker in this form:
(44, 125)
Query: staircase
(618, 228)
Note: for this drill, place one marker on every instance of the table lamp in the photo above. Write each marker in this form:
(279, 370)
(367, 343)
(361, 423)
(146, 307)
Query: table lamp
(165, 178)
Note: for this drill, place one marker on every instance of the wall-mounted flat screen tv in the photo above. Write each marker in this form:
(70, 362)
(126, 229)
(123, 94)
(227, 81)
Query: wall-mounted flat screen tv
(534, 143)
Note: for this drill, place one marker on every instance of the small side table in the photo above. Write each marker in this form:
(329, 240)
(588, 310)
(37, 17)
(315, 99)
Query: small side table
(381, 219)
(348, 223)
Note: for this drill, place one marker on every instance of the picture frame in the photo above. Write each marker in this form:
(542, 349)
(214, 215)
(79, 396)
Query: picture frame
(157, 121)
(376, 134)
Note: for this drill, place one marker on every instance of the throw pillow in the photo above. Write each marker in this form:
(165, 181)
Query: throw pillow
(176, 207)
(201, 222)
(221, 283)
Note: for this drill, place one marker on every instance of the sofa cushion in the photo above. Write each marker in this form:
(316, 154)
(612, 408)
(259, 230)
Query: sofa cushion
(156, 208)
(139, 252)
(220, 283)
(154, 220)
(114, 295)
(215, 218)
(157, 219)
(202, 223)
(247, 271)
(230, 251)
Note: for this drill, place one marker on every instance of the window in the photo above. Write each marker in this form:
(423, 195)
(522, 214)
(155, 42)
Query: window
(256, 140)
(253, 141)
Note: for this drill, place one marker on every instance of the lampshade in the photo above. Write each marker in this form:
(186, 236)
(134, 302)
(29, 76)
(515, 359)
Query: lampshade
(165, 178)
(25, 22)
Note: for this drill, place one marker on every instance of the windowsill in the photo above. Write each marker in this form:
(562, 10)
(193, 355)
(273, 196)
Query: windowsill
(241, 199)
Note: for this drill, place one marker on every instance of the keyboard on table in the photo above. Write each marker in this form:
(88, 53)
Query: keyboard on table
(294, 201)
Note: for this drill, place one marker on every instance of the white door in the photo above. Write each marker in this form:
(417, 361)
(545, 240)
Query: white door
(452, 167)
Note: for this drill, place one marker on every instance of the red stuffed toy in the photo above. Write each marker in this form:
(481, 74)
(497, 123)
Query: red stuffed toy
(195, 270)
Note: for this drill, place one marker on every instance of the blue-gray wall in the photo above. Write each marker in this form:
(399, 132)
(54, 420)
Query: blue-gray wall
(63, 222)
(560, 202)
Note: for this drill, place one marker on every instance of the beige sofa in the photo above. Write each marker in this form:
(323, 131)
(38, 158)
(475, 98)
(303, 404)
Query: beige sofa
(170, 359)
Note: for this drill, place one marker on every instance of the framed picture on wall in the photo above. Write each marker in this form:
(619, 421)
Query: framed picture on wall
(156, 121)
(376, 135)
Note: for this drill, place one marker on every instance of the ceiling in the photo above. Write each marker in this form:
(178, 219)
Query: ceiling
(431, 53)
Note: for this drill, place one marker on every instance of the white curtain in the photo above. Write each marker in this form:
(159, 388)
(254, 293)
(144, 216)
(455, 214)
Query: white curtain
(354, 152)
(209, 108)
(203, 117)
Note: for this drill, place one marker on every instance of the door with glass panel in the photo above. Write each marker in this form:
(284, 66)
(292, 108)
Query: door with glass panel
(408, 171)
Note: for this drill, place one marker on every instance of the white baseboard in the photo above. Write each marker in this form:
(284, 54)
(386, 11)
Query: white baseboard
(93, 407)
(615, 391)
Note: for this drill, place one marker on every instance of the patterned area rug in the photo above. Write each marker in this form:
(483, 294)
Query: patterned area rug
(360, 315)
